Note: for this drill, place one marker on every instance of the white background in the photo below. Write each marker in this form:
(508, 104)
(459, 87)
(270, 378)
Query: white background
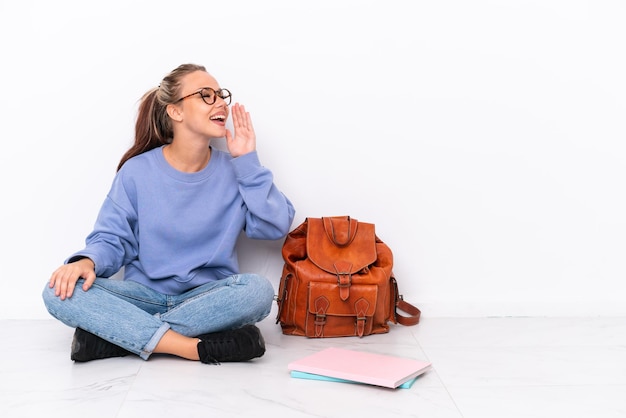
(485, 139)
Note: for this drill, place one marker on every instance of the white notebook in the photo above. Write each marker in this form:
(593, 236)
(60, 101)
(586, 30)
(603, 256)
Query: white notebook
(360, 366)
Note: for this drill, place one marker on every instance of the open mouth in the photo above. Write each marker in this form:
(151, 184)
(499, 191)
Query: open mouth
(219, 118)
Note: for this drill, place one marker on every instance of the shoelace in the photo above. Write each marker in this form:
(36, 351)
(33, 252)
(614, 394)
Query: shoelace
(217, 347)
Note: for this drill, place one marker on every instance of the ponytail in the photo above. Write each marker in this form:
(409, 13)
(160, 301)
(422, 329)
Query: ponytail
(153, 127)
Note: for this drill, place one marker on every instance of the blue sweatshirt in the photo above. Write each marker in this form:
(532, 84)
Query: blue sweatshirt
(173, 231)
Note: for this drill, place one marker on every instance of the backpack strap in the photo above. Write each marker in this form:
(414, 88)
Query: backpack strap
(413, 317)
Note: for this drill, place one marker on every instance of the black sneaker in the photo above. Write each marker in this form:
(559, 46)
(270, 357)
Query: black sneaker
(87, 346)
(240, 344)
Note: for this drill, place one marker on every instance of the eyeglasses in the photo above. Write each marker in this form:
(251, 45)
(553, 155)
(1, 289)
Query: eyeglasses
(209, 95)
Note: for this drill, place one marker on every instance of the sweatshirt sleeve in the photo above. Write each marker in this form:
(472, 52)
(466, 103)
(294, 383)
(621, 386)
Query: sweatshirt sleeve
(269, 213)
(112, 242)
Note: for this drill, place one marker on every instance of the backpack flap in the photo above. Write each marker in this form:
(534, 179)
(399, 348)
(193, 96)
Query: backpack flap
(341, 246)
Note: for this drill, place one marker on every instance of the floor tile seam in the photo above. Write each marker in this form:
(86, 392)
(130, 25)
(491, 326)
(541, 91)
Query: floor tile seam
(530, 347)
(456, 406)
(535, 386)
(556, 317)
(128, 391)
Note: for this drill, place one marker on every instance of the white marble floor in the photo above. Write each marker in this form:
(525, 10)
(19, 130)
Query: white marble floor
(482, 368)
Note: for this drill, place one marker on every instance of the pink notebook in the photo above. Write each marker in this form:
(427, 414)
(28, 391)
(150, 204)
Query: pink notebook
(360, 366)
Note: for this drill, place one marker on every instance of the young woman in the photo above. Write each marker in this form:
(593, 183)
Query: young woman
(172, 219)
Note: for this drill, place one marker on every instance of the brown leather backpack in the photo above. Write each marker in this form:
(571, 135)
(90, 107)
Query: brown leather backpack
(337, 281)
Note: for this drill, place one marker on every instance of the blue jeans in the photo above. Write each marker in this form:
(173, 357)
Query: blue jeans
(135, 317)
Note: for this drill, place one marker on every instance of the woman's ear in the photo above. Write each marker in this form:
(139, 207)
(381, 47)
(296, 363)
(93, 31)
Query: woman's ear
(174, 112)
